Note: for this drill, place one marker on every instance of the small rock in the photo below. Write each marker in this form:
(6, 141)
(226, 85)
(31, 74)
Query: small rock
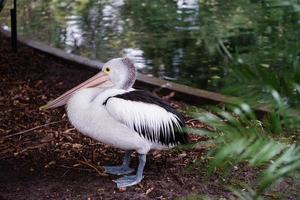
(123, 189)
(76, 146)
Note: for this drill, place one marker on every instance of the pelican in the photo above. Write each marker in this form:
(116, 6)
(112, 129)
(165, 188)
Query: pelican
(107, 108)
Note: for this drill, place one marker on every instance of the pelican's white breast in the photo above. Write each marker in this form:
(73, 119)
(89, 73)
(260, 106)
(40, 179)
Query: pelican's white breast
(87, 114)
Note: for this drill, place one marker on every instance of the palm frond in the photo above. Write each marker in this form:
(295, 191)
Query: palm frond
(240, 137)
(245, 194)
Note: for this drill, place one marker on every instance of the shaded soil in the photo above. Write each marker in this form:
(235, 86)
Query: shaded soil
(43, 157)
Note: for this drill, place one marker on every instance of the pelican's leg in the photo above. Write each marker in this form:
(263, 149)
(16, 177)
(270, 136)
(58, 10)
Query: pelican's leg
(121, 169)
(126, 181)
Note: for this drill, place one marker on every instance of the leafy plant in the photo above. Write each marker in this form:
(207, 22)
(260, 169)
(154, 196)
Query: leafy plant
(272, 62)
(266, 74)
(241, 137)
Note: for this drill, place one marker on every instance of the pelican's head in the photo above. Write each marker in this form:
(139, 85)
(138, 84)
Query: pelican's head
(121, 73)
(117, 73)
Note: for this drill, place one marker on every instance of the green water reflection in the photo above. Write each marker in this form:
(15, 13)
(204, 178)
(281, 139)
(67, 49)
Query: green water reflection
(187, 41)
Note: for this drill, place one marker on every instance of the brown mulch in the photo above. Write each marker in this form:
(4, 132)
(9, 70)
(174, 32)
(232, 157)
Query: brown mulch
(43, 157)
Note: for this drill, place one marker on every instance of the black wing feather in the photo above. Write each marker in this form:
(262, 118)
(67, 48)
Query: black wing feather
(179, 137)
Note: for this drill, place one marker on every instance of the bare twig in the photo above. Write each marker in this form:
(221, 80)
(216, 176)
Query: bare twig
(92, 166)
(34, 128)
(23, 150)
(75, 168)
(32, 148)
(169, 96)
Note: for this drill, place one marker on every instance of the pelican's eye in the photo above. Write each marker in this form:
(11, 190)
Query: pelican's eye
(107, 70)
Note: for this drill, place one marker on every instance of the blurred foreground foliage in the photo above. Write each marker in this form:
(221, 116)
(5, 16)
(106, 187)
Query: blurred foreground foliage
(266, 74)
(240, 137)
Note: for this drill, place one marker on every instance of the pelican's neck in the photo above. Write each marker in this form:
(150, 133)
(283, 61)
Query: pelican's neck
(88, 96)
(110, 92)
(84, 97)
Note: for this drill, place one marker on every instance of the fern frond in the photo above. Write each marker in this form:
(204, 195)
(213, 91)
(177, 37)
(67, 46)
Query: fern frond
(240, 137)
(245, 194)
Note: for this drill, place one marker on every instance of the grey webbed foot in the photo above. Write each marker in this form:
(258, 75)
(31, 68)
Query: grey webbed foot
(121, 169)
(127, 181)
(118, 170)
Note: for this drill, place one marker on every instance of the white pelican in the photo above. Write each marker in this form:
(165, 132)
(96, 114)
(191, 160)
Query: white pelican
(108, 109)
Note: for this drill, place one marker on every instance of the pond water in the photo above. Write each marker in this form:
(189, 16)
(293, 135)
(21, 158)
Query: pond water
(186, 41)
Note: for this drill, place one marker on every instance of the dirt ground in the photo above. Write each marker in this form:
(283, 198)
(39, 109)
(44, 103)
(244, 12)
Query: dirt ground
(43, 157)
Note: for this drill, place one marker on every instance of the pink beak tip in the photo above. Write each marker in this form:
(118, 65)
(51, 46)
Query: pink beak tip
(98, 79)
(44, 107)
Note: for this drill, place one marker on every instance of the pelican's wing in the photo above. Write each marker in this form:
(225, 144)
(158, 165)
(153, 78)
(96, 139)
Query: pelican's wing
(148, 115)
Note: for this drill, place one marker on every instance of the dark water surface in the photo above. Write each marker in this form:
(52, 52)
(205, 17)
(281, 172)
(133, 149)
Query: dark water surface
(186, 41)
